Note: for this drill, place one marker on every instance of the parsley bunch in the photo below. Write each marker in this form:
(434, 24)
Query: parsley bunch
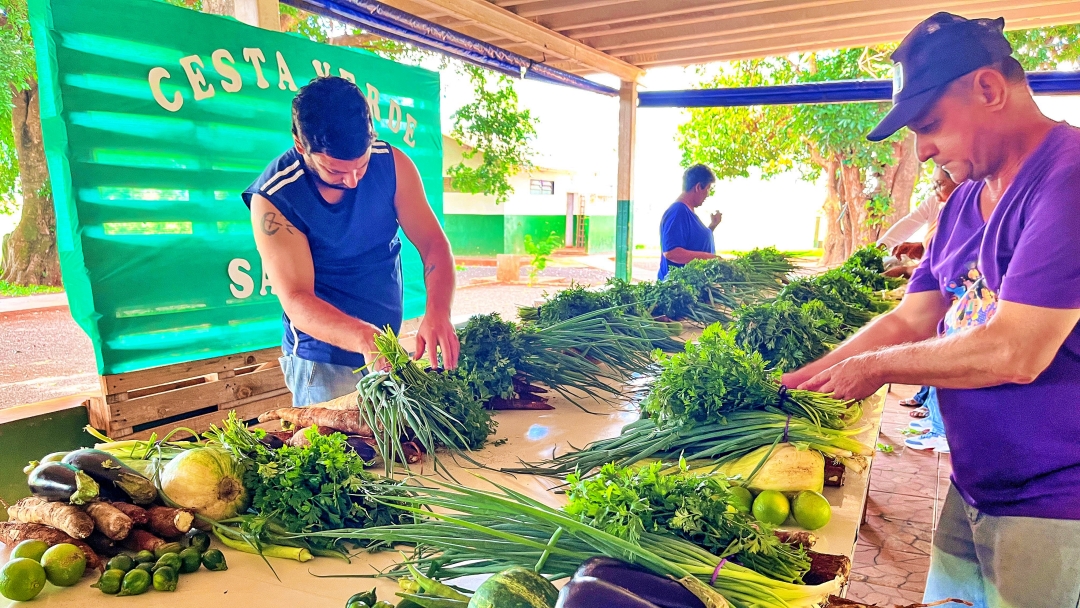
(627, 502)
(787, 335)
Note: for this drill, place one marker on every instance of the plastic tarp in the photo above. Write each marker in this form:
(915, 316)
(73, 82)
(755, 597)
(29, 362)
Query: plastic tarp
(155, 119)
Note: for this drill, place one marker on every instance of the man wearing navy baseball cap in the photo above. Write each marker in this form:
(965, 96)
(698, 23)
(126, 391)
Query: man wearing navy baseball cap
(990, 318)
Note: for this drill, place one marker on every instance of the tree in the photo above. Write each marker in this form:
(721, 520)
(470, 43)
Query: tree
(493, 128)
(29, 252)
(868, 186)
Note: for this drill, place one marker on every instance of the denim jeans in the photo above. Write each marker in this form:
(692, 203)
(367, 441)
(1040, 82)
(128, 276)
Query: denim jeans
(314, 382)
(937, 425)
(1003, 562)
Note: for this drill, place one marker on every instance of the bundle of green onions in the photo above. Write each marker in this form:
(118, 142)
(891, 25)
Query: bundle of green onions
(437, 408)
(720, 441)
(472, 531)
(500, 359)
(714, 377)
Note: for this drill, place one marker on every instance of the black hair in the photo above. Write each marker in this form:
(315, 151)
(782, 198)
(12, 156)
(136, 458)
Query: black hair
(698, 175)
(1011, 69)
(331, 116)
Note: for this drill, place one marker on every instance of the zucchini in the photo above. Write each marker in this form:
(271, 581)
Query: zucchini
(516, 587)
(110, 472)
(59, 482)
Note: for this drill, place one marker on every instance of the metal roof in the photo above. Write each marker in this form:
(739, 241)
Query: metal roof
(623, 37)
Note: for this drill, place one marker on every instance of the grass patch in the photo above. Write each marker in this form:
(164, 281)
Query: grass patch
(7, 290)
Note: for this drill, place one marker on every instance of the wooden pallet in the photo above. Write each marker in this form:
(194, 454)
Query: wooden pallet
(195, 395)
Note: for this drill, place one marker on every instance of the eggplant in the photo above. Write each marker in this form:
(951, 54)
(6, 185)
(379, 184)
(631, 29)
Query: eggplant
(591, 592)
(59, 482)
(272, 441)
(361, 448)
(662, 591)
(108, 471)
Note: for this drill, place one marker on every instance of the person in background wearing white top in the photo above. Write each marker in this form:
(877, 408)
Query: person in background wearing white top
(926, 214)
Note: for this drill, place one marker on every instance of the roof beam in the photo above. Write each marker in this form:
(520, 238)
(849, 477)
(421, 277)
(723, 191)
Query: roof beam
(848, 37)
(603, 19)
(535, 8)
(818, 18)
(503, 21)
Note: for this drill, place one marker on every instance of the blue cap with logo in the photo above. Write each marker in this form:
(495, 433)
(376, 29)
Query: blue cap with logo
(935, 53)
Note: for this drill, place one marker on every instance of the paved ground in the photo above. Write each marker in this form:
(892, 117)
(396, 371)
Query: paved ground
(907, 489)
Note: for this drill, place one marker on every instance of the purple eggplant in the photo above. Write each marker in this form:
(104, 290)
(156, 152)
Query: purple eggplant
(108, 471)
(590, 592)
(272, 441)
(362, 449)
(658, 590)
(60, 482)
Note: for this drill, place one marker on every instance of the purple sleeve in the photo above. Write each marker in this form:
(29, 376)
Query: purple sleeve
(923, 278)
(1045, 266)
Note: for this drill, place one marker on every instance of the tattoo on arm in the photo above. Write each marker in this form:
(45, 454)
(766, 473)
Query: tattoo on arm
(430, 268)
(271, 224)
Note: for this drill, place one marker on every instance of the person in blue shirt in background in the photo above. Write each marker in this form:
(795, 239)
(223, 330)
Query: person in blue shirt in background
(683, 236)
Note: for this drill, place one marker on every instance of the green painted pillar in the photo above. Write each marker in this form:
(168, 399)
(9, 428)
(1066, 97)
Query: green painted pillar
(624, 246)
(624, 215)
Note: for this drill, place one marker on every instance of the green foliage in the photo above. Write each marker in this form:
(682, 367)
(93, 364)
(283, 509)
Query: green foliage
(627, 502)
(1046, 48)
(10, 290)
(774, 139)
(17, 72)
(540, 250)
(493, 128)
(491, 350)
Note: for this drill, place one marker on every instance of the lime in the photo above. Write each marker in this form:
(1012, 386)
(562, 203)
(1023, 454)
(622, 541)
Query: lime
(30, 549)
(811, 510)
(771, 507)
(21, 579)
(64, 564)
(741, 499)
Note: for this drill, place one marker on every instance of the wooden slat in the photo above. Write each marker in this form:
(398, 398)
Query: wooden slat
(530, 10)
(854, 36)
(514, 26)
(742, 25)
(120, 383)
(172, 403)
(248, 410)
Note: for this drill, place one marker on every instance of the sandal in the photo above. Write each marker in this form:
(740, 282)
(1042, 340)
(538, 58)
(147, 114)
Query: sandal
(919, 412)
(910, 402)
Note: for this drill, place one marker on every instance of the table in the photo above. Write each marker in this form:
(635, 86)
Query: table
(531, 435)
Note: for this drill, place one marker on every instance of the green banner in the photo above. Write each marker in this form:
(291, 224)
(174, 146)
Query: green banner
(155, 118)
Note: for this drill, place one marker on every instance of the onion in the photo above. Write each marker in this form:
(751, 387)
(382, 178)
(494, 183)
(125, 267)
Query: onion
(207, 480)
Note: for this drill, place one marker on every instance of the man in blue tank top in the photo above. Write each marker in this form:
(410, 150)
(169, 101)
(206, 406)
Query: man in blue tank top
(683, 236)
(326, 215)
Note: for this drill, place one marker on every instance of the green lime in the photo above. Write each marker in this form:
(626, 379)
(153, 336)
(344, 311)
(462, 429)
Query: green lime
(811, 510)
(771, 507)
(64, 564)
(21, 579)
(30, 549)
(741, 499)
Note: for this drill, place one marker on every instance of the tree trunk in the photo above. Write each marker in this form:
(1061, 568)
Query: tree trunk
(30, 250)
(834, 246)
(846, 212)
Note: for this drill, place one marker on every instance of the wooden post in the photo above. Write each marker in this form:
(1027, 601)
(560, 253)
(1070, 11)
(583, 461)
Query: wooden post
(624, 192)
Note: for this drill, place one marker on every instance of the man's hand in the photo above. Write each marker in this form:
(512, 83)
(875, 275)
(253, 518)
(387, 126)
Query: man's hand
(714, 219)
(365, 345)
(795, 378)
(437, 335)
(850, 379)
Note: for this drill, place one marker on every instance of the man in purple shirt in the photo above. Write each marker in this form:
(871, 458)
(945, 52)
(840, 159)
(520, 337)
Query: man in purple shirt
(990, 318)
